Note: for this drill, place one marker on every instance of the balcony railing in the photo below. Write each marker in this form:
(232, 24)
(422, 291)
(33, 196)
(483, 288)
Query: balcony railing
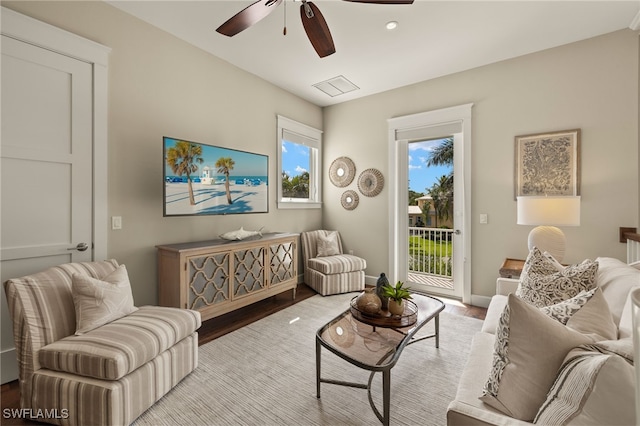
(430, 251)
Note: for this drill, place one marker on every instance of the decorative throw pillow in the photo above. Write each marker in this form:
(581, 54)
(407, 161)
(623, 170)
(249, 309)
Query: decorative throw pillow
(564, 310)
(529, 349)
(540, 287)
(552, 260)
(593, 387)
(587, 313)
(328, 245)
(537, 263)
(100, 301)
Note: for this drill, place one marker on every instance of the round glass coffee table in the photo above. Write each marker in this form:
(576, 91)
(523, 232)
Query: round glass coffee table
(375, 346)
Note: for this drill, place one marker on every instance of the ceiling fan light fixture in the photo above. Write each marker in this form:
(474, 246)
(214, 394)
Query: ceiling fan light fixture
(392, 25)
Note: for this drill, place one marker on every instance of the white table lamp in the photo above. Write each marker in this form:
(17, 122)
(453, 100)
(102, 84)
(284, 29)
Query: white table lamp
(547, 213)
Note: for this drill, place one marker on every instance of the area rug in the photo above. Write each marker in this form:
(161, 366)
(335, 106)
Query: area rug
(264, 374)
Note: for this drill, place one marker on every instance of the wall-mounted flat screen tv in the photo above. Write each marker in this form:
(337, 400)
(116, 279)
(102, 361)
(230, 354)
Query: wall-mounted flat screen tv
(202, 179)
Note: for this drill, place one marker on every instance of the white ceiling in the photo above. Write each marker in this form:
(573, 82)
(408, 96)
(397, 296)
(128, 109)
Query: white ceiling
(433, 38)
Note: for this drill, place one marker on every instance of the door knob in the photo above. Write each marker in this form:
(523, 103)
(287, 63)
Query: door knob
(80, 247)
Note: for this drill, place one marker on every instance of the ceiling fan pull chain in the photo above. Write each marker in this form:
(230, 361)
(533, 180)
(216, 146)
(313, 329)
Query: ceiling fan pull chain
(284, 30)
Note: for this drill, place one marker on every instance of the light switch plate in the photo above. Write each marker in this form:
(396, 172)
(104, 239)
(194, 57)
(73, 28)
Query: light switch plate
(116, 222)
(484, 218)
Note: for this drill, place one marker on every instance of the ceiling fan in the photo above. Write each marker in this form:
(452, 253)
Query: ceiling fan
(312, 20)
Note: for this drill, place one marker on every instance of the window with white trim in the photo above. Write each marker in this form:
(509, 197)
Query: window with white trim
(299, 175)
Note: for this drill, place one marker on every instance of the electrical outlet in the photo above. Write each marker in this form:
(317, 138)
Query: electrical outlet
(484, 218)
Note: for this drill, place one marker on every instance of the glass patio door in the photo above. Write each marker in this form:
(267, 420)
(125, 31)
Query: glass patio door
(452, 123)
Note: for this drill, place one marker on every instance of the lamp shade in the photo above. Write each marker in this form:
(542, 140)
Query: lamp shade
(551, 211)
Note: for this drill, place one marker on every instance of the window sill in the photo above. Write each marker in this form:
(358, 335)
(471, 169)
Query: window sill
(298, 205)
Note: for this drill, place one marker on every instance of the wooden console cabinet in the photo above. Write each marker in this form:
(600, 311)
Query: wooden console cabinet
(219, 276)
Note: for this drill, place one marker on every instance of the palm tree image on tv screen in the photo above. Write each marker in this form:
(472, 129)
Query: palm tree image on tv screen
(201, 179)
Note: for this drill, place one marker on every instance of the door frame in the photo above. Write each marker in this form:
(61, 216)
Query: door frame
(38, 33)
(398, 196)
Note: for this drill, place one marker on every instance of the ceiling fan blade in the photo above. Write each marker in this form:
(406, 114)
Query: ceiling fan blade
(382, 1)
(317, 29)
(247, 17)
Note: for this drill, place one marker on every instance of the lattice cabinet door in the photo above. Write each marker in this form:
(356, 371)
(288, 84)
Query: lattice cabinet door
(248, 268)
(282, 265)
(208, 280)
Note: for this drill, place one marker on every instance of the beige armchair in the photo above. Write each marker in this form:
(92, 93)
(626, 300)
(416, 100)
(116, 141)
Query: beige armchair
(326, 268)
(107, 375)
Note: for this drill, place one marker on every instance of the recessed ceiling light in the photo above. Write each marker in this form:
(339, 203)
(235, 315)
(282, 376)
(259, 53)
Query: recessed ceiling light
(392, 25)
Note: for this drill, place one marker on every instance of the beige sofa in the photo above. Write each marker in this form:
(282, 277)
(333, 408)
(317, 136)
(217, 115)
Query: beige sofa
(106, 376)
(609, 397)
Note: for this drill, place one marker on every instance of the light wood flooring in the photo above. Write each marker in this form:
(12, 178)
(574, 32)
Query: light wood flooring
(216, 327)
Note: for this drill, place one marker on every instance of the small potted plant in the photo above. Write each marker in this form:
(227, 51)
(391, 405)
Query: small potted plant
(396, 296)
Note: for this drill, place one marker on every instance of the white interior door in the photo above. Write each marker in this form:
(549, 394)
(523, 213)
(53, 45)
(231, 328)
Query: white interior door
(45, 157)
(45, 166)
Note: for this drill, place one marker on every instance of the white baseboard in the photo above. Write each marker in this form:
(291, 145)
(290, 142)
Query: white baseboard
(370, 280)
(8, 366)
(481, 301)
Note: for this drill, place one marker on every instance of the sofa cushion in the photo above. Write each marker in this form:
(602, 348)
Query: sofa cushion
(587, 313)
(467, 409)
(616, 279)
(593, 387)
(100, 301)
(494, 312)
(529, 349)
(337, 264)
(95, 402)
(118, 348)
(544, 289)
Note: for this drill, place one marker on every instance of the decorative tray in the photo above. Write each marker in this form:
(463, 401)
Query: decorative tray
(385, 318)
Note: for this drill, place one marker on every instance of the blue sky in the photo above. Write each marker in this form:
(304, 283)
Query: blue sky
(295, 158)
(422, 177)
(246, 163)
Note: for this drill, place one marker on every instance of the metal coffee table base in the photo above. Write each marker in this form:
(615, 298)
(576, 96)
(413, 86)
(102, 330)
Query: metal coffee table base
(385, 369)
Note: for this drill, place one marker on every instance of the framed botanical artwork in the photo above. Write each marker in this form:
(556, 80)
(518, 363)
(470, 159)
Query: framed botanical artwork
(548, 164)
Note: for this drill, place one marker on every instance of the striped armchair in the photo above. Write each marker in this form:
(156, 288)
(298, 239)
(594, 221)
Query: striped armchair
(107, 376)
(330, 274)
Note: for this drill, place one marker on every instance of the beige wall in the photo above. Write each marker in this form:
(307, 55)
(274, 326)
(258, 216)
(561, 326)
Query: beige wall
(592, 85)
(162, 86)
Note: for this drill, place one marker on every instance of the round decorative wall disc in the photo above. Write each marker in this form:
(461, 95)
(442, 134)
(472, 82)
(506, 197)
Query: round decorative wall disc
(342, 171)
(370, 182)
(350, 199)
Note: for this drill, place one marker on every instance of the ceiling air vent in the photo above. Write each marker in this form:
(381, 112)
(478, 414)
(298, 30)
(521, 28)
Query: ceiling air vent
(336, 86)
